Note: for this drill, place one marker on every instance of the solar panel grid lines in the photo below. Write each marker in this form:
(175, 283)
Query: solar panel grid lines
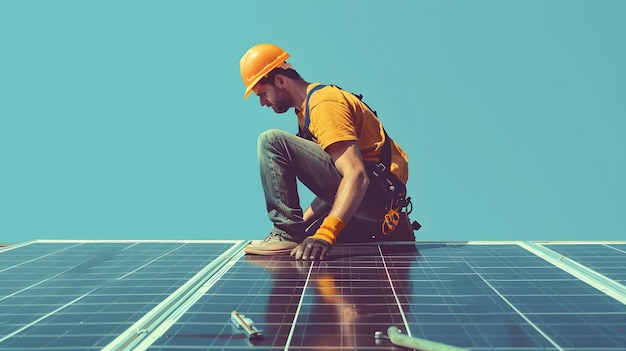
(606, 259)
(26, 326)
(521, 314)
(582, 272)
(477, 314)
(139, 330)
(107, 305)
(479, 295)
(297, 313)
(159, 330)
(207, 322)
(351, 300)
(395, 294)
(294, 284)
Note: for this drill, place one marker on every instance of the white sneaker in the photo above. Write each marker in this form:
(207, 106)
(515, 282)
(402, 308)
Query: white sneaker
(274, 244)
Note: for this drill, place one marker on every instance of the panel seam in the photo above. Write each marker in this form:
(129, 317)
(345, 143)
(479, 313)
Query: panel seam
(295, 317)
(138, 332)
(393, 289)
(599, 281)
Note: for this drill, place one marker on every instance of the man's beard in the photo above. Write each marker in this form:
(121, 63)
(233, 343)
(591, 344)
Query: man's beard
(283, 103)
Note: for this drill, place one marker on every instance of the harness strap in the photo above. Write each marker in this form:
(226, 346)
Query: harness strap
(304, 131)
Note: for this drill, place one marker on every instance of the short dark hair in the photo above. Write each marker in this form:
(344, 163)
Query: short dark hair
(287, 72)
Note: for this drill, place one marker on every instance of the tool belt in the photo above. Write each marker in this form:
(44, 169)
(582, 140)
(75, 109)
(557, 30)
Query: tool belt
(397, 201)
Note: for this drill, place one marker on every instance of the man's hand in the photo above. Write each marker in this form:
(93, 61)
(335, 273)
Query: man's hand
(312, 249)
(317, 246)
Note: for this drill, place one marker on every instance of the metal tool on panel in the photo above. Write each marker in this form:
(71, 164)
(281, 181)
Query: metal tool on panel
(242, 322)
(399, 339)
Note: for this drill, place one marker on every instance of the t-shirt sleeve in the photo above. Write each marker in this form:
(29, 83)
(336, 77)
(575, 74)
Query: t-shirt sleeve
(331, 122)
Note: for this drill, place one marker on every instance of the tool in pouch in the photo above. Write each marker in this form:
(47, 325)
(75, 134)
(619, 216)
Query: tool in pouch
(398, 201)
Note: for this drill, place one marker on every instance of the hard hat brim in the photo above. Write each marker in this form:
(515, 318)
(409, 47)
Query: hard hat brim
(278, 62)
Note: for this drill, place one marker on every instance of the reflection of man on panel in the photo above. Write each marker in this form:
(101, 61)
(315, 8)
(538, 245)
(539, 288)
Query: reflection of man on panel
(342, 306)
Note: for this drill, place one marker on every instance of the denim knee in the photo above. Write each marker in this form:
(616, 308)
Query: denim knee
(267, 138)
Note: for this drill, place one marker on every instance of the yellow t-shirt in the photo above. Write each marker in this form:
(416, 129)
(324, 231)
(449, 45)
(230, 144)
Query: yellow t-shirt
(336, 115)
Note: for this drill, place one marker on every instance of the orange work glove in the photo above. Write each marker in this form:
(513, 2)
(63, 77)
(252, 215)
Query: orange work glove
(317, 246)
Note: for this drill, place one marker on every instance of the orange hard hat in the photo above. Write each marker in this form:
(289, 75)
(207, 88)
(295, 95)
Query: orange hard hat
(258, 62)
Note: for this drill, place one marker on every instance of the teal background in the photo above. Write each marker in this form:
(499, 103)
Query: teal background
(125, 119)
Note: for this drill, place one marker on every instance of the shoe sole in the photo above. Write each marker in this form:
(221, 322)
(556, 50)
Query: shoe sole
(253, 251)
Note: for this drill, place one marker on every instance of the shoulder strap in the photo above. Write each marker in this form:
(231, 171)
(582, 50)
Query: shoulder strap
(304, 131)
(385, 152)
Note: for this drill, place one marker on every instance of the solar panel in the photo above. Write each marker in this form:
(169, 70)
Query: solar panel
(67, 296)
(180, 296)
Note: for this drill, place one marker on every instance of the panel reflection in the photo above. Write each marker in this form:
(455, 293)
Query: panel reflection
(350, 297)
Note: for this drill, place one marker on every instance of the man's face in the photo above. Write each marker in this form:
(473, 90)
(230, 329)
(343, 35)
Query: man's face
(274, 97)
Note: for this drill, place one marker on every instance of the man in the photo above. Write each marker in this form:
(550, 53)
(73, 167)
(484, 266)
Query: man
(346, 141)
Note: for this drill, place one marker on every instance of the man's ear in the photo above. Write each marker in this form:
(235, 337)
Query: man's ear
(279, 81)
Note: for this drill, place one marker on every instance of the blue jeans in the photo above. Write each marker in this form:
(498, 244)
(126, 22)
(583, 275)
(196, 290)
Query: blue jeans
(285, 158)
